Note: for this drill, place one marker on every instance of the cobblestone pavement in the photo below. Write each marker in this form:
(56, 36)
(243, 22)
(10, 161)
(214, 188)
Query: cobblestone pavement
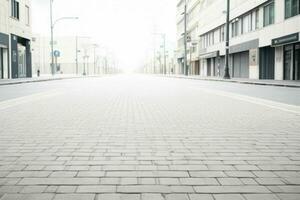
(145, 138)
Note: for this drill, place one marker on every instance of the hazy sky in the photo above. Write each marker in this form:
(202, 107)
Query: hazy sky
(125, 26)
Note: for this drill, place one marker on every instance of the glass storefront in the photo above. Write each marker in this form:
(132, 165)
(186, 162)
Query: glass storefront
(21, 61)
(292, 62)
(1, 63)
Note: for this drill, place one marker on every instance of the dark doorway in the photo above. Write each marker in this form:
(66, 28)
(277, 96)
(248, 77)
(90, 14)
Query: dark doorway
(297, 62)
(267, 63)
(288, 62)
(1, 64)
(208, 67)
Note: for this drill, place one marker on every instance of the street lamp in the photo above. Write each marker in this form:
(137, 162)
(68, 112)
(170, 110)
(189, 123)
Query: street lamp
(77, 51)
(163, 35)
(52, 33)
(186, 70)
(227, 75)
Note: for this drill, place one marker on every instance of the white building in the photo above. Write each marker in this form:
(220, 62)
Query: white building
(264, 38)
(67, 61)
(15, 39)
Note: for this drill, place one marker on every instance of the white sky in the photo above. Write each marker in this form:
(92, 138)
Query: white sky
(125, 26)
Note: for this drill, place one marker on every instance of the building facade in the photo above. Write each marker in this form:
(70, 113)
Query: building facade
(72, 55)
(264, 38)
(15, 39)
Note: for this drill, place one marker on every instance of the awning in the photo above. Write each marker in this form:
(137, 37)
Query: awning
(288, 39)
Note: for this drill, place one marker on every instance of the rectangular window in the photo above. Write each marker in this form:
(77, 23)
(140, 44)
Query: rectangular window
(292, 8)
(27, 15)
(269, 14)
(15, 9)
(256, 19)
(222, 33)
(235, 28)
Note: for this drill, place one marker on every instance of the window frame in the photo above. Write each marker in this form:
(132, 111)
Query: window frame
(291, 9)
(271, 18)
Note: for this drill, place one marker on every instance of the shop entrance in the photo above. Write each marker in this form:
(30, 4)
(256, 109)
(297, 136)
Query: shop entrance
(1, 64)
(292, 62)
(21, 61)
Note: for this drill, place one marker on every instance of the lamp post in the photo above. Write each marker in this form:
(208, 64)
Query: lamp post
(95, 64)
(163, 35)
(186, 70)
(227, 75)
(77, 51)
(52, 33)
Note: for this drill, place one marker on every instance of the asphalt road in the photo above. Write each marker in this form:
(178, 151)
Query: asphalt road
(148, 138)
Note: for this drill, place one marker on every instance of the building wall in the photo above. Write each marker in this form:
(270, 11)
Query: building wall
(211, 17)
(67, 60)
(16, 29)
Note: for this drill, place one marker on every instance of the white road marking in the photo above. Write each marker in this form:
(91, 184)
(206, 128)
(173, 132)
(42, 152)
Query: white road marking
(259, 101)
(28, 99)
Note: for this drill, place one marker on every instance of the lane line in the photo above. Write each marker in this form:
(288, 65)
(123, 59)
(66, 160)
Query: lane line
(255, 100)
(28, 99)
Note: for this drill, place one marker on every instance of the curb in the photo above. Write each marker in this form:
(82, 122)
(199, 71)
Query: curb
(39, 80)
(240, 82)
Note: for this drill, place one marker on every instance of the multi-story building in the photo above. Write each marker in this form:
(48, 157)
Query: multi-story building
(15, 42)
(264, 38)
(87, 60)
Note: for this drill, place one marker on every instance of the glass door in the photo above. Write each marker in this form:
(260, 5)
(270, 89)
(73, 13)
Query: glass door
(297, 62)
(288, 62)
(1, 63)
(21, 61)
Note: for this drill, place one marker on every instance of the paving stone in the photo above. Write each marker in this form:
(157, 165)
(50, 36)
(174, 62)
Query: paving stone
(201, 197)
(129, 181)
(228, 197)
(33, 189)
(231, 189)
(90, 174)
(27, 197)
(198, 181)
(31, 174)
(230, 181)
(289, 196)
(66, 189)
(169, 181)
(96, 189)
(152, 197)
(144, 189)
(63, 174)
(59, 181)
(177, 197)
(74, 197)
(261, 197)
(119, 197)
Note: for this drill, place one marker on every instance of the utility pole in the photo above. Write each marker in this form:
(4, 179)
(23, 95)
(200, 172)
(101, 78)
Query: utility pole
(227, 75)
(186, 70)
(76, 55)
(165, 58)
(52, 47)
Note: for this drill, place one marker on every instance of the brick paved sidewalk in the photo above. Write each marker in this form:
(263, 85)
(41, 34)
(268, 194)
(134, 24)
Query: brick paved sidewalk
(153, 139)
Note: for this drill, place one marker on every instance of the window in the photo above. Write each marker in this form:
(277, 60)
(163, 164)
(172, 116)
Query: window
(222, 33)
(27, 15)
(256, 19)
(269, 14)
(292, 8)
(247, 23)
(15, 9)
(235, 28)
